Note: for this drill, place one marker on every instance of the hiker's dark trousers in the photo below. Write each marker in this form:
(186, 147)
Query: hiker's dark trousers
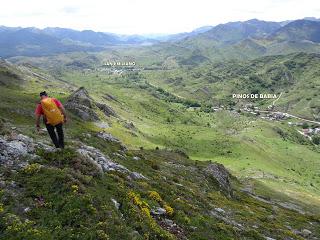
(58, 140)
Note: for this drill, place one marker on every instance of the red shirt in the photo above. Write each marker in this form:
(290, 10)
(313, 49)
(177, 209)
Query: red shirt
(39, 110)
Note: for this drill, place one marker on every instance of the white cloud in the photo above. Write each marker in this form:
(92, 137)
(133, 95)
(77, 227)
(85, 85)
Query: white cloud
(149, 16)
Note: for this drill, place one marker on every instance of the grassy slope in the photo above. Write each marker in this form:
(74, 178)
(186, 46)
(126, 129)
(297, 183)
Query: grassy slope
(247, 148)
(77, 202)
(87, 213)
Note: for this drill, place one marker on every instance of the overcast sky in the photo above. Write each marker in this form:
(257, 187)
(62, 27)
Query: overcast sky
(148, 16)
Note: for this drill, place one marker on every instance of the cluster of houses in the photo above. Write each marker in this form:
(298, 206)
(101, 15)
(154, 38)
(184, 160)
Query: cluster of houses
(309, 132)
(111, 70)
(250, 108)
(117, 70)
(303, 128)
(276, 116)
(268, 114)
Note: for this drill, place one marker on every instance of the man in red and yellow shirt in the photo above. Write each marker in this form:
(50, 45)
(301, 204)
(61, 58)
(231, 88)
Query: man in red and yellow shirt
(54, 116)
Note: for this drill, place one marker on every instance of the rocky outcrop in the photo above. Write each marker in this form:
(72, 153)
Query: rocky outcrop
(17, 149)
(81, 104)
(104, 162)
(129, 125)
(221, 175)
(223, 216)
(81, 97)
(108, 111)
(109, 138)
(158, 211)
(102, 125)
(109, 97)
(98, 158)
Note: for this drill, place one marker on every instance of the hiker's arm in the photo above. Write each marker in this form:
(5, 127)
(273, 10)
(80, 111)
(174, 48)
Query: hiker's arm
(64, 113)
(38, 121)
(38, 112)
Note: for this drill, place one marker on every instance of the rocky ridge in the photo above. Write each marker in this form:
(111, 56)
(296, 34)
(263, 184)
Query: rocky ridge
(84, 106)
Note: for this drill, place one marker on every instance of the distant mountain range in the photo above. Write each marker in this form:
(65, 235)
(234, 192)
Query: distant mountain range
(254, 36)
(250, 39)
(235, 31)
(40, 42)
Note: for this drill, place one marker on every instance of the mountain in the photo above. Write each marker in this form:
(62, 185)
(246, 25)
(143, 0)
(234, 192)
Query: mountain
(97, 38)
(246, 40)
(312, 19)
(136, 39)
(300, 30)
(4, 28)
(236, 31)
(49, 41)
(223, 42)
(86, 36)
(180, 36)
(220, 42)
(34, 42)
(232, 41)
(230, 32)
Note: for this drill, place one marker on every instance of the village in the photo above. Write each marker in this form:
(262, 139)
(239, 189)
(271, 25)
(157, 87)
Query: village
(306, 127)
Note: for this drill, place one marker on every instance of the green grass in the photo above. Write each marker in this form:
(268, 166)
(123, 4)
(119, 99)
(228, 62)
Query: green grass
(283, 166)
(76, 202)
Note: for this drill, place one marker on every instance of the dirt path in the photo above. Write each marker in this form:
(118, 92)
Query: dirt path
(277, 99)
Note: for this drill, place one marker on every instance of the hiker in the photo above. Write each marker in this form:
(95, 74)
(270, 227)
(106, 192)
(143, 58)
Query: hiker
(54, 115)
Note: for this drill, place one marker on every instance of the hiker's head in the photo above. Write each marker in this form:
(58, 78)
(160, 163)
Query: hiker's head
(43, 94)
